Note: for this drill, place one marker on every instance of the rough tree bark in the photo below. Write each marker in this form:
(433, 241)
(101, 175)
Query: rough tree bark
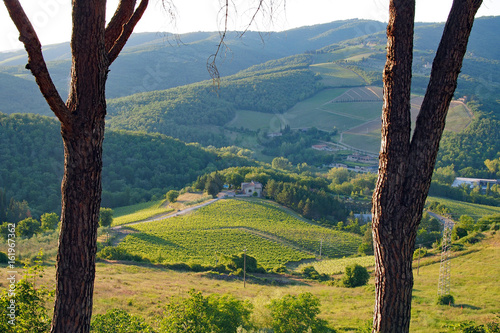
(406, 163)
(94, 47)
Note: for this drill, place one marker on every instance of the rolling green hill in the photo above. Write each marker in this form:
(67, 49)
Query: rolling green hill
(267, 231)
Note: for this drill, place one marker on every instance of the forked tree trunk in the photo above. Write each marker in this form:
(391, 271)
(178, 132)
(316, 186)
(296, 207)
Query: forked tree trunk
(94, 48)
(405, 167)
(82, 136)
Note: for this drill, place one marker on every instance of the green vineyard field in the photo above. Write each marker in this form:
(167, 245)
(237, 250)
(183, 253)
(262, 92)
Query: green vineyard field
(227, 227)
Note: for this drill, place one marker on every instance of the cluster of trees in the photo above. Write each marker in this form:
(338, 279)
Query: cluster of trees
(137, 166)
(468, 150)
(316, 204)
(296, 146)
(225, 313)
(29, 226)
(349, 183)
(12, 210)
(443, 177)
(467, 225)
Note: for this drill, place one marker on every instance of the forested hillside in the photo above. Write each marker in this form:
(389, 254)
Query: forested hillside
(180, 111)
(136, 166)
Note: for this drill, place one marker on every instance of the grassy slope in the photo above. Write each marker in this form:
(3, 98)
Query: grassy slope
(139, 212)
(459, 208)
(475, 275)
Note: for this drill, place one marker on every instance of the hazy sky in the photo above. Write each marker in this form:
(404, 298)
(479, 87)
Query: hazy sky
(52, 18)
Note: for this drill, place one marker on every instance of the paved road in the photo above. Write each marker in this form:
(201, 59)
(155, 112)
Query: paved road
(441, 218)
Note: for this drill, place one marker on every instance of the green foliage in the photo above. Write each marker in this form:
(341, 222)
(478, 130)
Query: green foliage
(49, 221)
(136, 166)
(445, 300)
(315, 205)
(4, 259)
(200, 314)
(466, 222)
(438, 208)
(236, 262)
(11, 210)
(458, 232)
(419, 253)
(27, 227)
(105, 217)
(117, 253)
(297, 314)
(310, 272)
(22, 308)
(366, 248)
(281, 163)
(118, 321)
(355, 275)
(470, 148)
(485, 222)
(172, 196)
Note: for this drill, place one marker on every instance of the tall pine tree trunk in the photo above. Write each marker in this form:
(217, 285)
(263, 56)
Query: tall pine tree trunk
(83, 137)
(93, 48)
(406, 166)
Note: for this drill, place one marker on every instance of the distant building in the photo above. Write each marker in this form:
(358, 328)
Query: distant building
(362, 158)
(272, 135)
(338, 165)
(475, 182)
(322, 147)
(251, 188)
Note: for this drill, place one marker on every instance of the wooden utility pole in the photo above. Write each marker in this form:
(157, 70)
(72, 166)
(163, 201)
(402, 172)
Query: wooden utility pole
(244, 267)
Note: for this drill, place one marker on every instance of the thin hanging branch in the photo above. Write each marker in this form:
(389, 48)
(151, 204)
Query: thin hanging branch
(261, 5)
(36, 62)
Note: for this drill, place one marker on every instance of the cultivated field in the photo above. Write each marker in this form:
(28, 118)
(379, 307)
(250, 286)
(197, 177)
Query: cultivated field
(227, 227)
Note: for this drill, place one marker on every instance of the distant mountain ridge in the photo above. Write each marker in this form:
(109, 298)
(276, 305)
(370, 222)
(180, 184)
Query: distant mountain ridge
(158, 61)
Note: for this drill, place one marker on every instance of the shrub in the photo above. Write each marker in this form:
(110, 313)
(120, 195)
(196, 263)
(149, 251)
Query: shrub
(172, 196)
(458, 232)
(117, 253)
(445, 300)
(355, 275)
(105, 217)
(419, 253)
(118, 321)
(30, 312)
(180, 266)
(297, 314)
(280, 269)
(4, 259)
(472, 327)
(236, 262)
(200, 314)
(27, 227)
(472, 238)
(366, 249)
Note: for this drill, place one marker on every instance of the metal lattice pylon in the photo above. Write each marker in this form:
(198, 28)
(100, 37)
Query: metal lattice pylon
(444, 269)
